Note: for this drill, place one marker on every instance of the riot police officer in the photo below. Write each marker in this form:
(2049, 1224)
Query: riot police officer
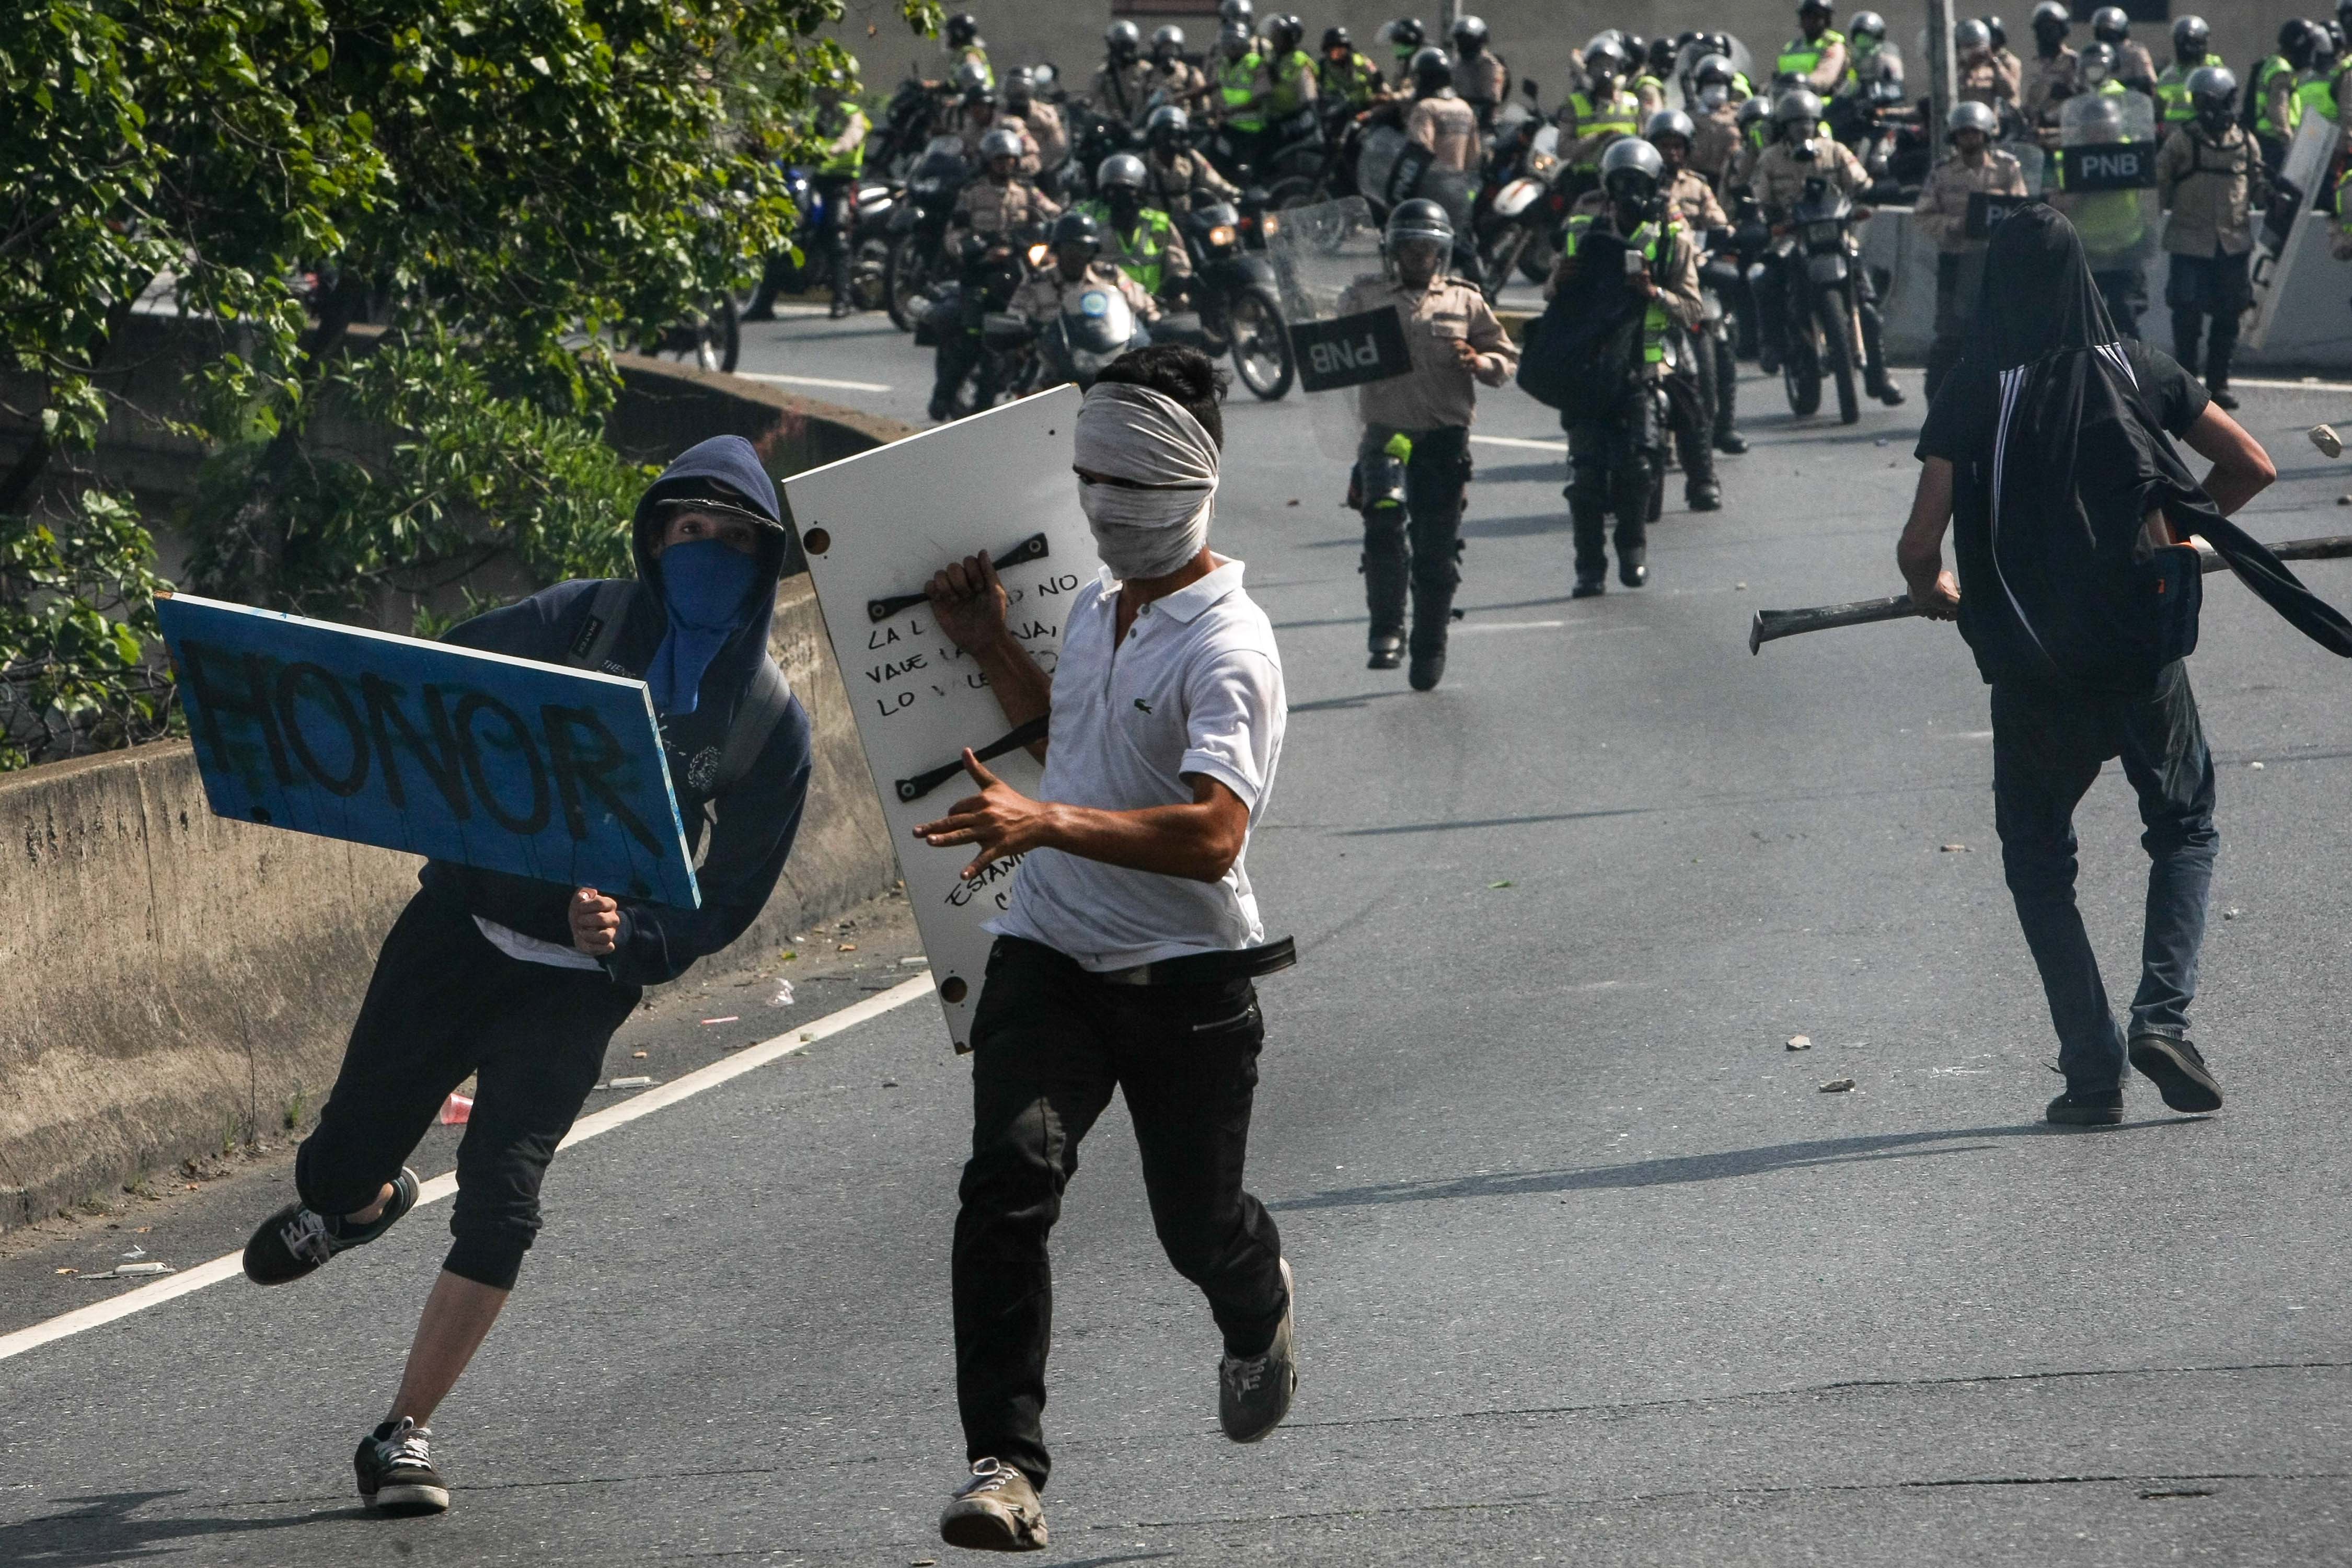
(965, 46)
(1174, 79)
(1693, 200)
(1598, 113)
(1121, 90)
(1176, 178)
(2209, 178)
(1942, 216)
(1798, 155)
(1415, 457)
(2111, 26)
(1816, 56)
(1041, 119)
(1714, 117)
(1614, 461)
(1078, 244)
(1479, 74)
(987, 214)
(1243, 88)
(2050, 75)
(1142, 239)
(1405, 36)
(1345, 76)
(2192, 51)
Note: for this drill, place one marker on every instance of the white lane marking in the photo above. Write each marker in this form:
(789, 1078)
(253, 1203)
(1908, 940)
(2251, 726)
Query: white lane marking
(1536, 446)
(232, 1264)
(2291, 386)
(814, 381)
(1469, 626)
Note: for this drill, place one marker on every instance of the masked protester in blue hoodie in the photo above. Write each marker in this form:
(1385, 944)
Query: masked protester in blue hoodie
(521, 983)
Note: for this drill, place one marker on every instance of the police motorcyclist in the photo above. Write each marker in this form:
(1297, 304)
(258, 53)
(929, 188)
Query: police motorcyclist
(1816, 56)
(965, 46)
(1797, 154)
(1143, 240)
(2209, 178)
(1614, 462)
(1693, 200)
(1438, 118)
(1980, 80)
(1867, 60)
(2004, 59)
(1173, 79)
(1345, 75)
(1652, 72)
(2274, 105)
(1121, 89)
(841, 126)
(1405, 36)
(1041, 119)
(1176, 178)
(1942, 216)
(977, 112)
(1714, 117)
(1415, 457)
(1290, 73)
(2111, 26)
(1600, 112)
(987, 213)
(1243, 88)
(1480, 76)
(2192, 51)
(1078, 244)
(2050, 75)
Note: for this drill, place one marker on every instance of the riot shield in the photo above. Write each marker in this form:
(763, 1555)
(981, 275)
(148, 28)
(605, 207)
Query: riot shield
(1327, 259)
(1391, 169)
(2031, 162)
(2301, 182)
(2106, 177)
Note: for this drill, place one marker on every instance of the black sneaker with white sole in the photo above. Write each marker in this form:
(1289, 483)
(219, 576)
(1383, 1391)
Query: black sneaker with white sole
(298, 1240)
(996, 1510)
(2179, 1071)
(395, 1463)
(1254, 1393)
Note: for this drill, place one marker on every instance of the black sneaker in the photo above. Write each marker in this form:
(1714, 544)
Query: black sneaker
(395, 1463)
(996, 1510)
(2073, 1110)
(297, 1240)
(1254, 1393)
(2179, 1071)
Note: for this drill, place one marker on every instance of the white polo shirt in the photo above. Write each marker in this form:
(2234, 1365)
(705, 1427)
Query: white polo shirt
(1196, 689)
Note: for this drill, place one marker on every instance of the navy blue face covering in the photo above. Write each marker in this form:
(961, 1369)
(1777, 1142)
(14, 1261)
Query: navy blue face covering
(707, 587)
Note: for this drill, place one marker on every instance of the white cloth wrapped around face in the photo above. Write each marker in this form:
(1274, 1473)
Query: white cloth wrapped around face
(1147, 438)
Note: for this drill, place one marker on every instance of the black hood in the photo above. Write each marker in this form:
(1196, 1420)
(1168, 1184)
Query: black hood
(731, 461)
(2039, 296)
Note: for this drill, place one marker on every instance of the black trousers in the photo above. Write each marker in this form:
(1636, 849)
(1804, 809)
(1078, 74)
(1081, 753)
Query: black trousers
(1423, 546)
(1050, 1042)
(2197, 287)
(445, 1004)
(1611, 466)
(840, 192)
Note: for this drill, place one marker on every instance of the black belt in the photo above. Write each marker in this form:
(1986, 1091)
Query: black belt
(1207, 968)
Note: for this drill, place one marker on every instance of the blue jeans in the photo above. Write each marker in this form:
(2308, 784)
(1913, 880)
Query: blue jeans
(2047, 749)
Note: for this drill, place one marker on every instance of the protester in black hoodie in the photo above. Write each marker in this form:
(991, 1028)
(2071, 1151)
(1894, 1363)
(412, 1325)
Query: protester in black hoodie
(521, 982)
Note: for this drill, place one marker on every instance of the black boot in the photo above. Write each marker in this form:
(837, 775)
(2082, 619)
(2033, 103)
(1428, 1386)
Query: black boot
(1385, 571)
(2217, 370)
(1432, 617)
(1591, 520)
(1700, 490)
(1633, 564)
(1727, 437)
(2188, 339)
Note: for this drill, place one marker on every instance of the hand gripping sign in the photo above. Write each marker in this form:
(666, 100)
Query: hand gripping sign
(478, 758)
(875, 528)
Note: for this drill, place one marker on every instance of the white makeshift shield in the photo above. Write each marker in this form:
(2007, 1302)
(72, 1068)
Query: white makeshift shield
(876, 527)
(2302, 179)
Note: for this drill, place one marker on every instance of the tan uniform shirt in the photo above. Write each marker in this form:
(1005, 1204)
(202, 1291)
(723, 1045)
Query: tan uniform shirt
(2011, 71)
(1651, 94)
(2134, 63)
(2209, 189)
(2279, 101)
(1693, 200)
(1717, 140)
(1678, 289)
(2046, 82)
(1447, 127)
(1123, 94)
(1481, 77)
(1942, 213)
(1979, 82)
(1830, 71)
(960, 121)
(1440, 390)
(1780, 177)
(1179, 84)
(986, 207)
(1041, 298)
(1043, 123)
(1188, 181)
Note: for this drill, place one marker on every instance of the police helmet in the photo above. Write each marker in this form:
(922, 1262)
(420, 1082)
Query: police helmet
(1606, 57)
(1752, 111)
(1121, 169)
(1662, 56)
(1867, 24)
(2191, 36)
(1631, 171)
(1232, 11)
(2000, 33)
(1167, 40)
(2325, 46)
(2051, 22)
(962, 28)
(1636, 47)
(1284, 33)
(1168, 126)
(1470, 34)
(1432, 69)
(1020, 84)
(1078, 228)
(972, 81)
(1713, 68)
(1337, 39)
(1972, 116)
(1971, 34)
(2212, 92)
(1814, 8)
(1799, 108)
(1418, 219)
(2294, 41)
(2099, 63)
(1406, 33)
(1125, 40)
(1002, 142)
(2111, 24)
(1234, 38)
(1670, 122)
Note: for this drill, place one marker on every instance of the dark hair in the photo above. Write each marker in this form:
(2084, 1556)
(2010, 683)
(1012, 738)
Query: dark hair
(1182, 374)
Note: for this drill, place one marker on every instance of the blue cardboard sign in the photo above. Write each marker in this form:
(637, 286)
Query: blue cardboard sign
(480, 758)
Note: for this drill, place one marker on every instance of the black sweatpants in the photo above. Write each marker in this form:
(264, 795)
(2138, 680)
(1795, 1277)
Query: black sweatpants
(1049, 1044)
(443, 1003)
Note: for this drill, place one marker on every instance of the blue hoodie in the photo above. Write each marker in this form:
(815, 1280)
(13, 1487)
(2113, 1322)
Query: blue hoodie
(757, 820)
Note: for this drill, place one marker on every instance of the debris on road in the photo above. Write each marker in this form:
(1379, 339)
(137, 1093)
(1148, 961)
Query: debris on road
(915, 961)
(783, 996)
(1955, 850)
(889, 1083)
(1838, 1085)
(2230, 914)
(1492, 886)
(2325, 438)
(636, 1055)
(638, 1081)
(1739, 587)
(846, 947)
(2256, 766)
(454, 1110)
(731, 1018)
(127, 1271)
(1801, 1042)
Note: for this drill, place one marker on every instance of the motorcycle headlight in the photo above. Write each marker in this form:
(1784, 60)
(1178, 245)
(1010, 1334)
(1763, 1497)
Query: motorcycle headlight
(924, 187)
(1541, 163)
(1037, 254)
(1222, 237)
(1267, 225)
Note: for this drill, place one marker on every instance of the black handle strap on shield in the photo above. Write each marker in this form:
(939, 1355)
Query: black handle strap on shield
(923, 783)
(1033, 548)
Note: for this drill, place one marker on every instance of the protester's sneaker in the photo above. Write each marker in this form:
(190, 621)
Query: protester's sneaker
(1254, 1393)
(2073, 1110)
(2179, 1071)
(298, 1240)
(395, 1464)
(996, 1510)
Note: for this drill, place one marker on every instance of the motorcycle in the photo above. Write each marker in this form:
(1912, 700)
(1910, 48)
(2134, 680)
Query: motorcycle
(869, 242)
(1517, 218)
(1233, 284)
(1821, 262)
(916, 255)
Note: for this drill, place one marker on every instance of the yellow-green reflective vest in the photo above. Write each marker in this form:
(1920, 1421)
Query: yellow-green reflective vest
(1237, 82)
(2262, 80)
(830, 124)
(1143, 249)
(1803, 56)
(1652, 241)
(974, 52)
(2172, 90)
(1289, 96)
(1620, 113)
(2317, 95)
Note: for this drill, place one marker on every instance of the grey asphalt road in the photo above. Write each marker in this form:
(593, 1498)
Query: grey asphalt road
(1590, 1268)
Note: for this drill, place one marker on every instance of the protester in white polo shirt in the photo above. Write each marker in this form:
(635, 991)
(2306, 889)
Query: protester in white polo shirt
(1125, 959)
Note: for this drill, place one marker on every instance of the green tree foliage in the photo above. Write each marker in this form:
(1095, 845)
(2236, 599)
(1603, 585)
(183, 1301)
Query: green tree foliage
(439, 215)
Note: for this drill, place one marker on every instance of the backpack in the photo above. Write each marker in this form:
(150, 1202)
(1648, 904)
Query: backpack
(1583, 351)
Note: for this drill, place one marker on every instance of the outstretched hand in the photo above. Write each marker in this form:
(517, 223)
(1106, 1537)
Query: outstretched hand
(999, 821)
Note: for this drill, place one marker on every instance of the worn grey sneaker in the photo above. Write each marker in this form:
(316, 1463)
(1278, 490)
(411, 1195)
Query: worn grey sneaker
(2179, 1071)
(1254, 1393)
(996, 1510)
(395, 1464)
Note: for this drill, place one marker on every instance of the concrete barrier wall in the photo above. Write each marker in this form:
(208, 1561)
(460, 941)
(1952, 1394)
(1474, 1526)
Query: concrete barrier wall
(177, 982)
